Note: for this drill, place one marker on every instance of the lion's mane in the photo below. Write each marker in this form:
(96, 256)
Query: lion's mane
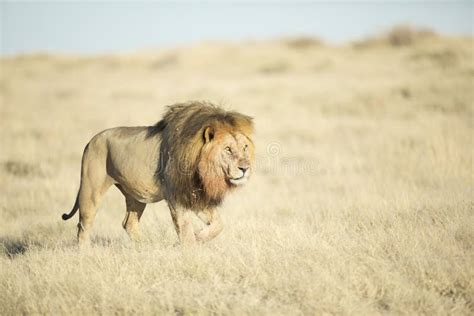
(182, 139)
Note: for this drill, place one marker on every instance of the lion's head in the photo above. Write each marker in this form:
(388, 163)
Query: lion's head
(205, 152)
(225, 160)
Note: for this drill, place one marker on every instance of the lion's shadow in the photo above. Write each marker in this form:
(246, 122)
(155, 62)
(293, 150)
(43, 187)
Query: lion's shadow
(13, 247)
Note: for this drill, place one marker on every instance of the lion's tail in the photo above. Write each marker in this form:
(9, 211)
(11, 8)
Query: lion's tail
(73, 211)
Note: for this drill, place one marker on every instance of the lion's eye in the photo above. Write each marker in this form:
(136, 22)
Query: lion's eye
(246, 147)
(228, 150)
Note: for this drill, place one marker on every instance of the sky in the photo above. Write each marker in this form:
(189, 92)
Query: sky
(90, 27)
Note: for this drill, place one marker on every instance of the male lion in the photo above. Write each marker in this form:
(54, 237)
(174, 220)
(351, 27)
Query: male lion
(191, 158)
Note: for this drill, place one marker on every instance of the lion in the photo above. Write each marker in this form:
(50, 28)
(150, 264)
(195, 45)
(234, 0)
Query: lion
(191, 159)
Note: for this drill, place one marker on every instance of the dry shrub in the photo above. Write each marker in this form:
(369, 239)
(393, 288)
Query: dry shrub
(22, 169)
(275, 67)
(303, 42)
(442, 57)
(32, 58)
(404, 35)
(164, 61)
(398, 36)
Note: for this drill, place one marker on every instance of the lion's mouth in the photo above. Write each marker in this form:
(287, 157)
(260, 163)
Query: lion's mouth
(238, 181)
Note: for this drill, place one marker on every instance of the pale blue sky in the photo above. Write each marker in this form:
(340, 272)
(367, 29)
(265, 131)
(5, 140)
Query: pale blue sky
(99, 27)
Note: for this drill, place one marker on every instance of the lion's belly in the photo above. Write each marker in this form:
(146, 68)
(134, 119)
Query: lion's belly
(132, 163)
(143, 192)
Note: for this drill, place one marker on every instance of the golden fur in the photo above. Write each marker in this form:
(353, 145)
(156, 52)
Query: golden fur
(191, 158)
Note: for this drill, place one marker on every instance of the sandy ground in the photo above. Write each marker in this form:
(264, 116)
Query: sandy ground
(361, 201)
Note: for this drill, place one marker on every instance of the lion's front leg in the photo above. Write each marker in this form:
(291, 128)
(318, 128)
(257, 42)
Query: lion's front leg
(183, 225)
(213, 222)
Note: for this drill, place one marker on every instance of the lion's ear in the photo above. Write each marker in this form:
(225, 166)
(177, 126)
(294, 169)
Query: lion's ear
(208, 134)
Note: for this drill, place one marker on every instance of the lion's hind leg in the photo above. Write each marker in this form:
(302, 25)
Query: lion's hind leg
(94, 183)
(132, 217)
(89, 200)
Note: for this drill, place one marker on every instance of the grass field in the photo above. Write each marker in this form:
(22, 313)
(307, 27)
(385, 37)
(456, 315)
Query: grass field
(361, 202)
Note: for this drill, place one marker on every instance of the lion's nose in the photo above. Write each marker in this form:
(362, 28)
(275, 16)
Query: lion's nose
(243, 169)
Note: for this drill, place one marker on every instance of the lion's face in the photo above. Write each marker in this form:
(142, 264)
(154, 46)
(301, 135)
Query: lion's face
(226, 160)
(235, 158)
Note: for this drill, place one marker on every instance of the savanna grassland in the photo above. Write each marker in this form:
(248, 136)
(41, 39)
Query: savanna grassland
(361, 201)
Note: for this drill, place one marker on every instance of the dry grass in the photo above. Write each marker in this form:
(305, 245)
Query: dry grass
(362, 202)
